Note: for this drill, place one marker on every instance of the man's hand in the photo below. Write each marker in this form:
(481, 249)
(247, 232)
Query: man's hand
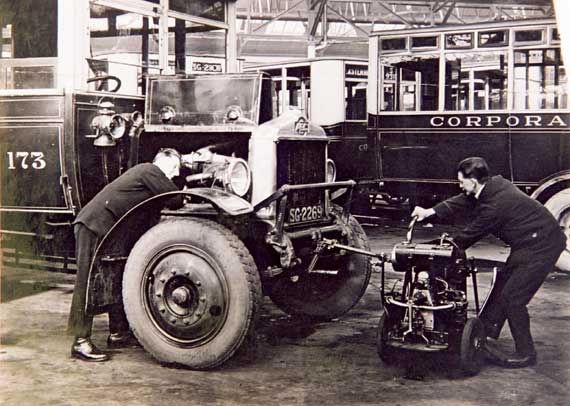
(187, 159)
(422, 213)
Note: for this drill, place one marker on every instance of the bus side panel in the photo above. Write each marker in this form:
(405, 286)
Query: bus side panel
(433, 156)
(540, 154)
(350, 151)
(31, 151)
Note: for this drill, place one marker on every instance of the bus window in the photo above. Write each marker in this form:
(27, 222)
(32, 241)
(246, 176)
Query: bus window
(124, 45)
(410, 83)
(476, 81)
(297, 95)
(29, 44)
(540, 80)
(355, 100)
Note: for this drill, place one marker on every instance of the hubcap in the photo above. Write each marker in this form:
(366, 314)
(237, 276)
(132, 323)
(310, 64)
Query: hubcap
(186, 295)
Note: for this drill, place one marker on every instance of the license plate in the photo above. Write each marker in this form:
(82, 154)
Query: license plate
(305, 214)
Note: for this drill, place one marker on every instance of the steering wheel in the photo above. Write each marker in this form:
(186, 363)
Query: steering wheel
(105, 78)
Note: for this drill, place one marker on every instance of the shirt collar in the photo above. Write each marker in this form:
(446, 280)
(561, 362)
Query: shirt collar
(479, 192)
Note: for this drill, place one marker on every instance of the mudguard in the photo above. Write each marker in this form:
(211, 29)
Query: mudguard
(551, 185)
(104, 284)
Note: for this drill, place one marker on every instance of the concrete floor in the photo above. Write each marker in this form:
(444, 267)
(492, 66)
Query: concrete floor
(331, 363)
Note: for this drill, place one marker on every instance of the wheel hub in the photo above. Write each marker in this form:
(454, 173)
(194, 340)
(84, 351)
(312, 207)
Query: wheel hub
(181, 296)
(186, 295)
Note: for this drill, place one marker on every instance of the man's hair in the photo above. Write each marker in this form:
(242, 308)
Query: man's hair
(474, 167)
(167, 152)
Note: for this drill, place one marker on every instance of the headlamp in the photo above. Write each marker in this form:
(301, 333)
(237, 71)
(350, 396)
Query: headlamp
(237, 177)
(167, 114)
(107, 126)
(233, 113)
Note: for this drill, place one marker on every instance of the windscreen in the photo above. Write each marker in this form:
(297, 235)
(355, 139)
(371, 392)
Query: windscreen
(205, 100)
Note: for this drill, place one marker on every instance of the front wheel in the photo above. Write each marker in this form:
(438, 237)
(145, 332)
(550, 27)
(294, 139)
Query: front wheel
(335, 287)
(471, 351)
(191, 292)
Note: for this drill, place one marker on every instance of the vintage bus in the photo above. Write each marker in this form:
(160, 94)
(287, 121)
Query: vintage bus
(332, 93)
(63, 62)
(495, 90)
(90, 88)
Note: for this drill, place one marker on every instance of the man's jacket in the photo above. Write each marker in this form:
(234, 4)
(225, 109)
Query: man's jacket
(131, 188)
(507, 213)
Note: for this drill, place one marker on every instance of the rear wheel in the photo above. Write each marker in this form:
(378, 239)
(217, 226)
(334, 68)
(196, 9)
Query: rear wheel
(334, 288)
(191, 292)
(471, 352)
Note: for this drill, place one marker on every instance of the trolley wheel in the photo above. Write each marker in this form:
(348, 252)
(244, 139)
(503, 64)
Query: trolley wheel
(471, 352)
(385, 353)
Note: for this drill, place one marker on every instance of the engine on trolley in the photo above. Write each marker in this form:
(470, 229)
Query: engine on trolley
(427, 309)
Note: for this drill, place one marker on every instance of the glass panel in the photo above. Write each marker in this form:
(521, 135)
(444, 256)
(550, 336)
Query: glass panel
(493, 38)
(529, 36)
(31, 77)
(29, 28)
(28, 39)
(476, 81)
(410, 83)
(462, 40)
(298, 92)
(205, 100)
(188, 39)
(355, 100)
(123, 45)
(424, 42)
(393, 44)
(212, 9)
(540, 80)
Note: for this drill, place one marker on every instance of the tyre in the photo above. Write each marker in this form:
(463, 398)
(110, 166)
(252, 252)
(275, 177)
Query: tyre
(385, 353)
(191, 292)
(559, 206)
(322, 296)
(471, 354)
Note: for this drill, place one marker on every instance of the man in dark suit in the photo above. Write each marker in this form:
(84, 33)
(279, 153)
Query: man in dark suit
(139, 183)
(498, 207)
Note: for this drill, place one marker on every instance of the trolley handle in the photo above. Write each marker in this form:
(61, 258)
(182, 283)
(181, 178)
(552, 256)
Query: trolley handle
(410, 232)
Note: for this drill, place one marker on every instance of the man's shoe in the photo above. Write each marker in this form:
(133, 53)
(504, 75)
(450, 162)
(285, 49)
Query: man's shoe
(493, 354)
(123, 339)
(520, 361)
(85, 350)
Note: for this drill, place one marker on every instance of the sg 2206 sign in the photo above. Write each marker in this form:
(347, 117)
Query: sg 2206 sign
(26, 160)
(305, 213)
